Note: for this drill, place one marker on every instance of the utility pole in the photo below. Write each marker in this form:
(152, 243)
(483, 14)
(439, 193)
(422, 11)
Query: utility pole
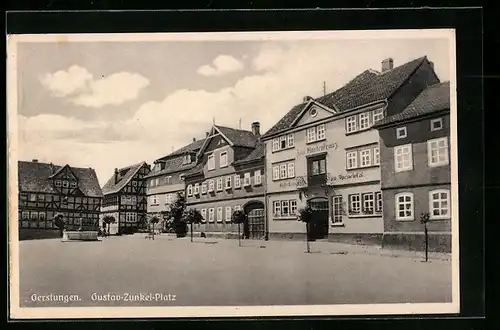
(324, 88)
(239, 124)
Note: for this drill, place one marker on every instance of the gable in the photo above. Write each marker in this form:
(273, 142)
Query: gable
(65, 173)
(311, 113)
(216, 142)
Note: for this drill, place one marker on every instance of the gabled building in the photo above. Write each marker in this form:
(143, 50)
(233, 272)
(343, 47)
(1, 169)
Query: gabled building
(229, 175)
(416, 172)
(49, 190)
(166, 179)
(125, 198)
(325, 153)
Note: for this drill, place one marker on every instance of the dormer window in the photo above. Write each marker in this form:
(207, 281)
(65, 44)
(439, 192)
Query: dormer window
(72, 184)
(58, 183)
(187, 159)
(65, 184)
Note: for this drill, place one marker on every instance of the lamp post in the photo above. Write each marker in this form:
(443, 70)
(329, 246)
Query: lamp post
(424, 218)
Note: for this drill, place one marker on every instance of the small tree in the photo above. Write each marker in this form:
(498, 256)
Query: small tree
(108, 220)
(305, 215)
(59, 223)
(175, 215)
(424, 218)
(238, 217)
(153, 220)
(191, 217)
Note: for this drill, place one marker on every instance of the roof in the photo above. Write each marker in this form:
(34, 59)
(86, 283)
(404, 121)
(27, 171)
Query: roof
(125, 175)
(35, 177)
(192, 147)
(239, 137)
(257, 154)
(369, 86)
(197, 169)
(432, 99)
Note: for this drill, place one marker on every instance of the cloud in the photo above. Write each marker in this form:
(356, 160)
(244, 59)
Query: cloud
(269, 57)
(221, 65)
(81, 88)
(63, 83)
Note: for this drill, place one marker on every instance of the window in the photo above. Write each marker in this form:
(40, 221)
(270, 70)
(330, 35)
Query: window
(404, 206)
(169, 198)
(228, 213)
(32, 197)
(283, 171)
(246, 179)
(41, 198)
(228, 182)
(376, 156)
(168, 179)
(58, 183)
(237, 181)
(379, 202)
(65, 184)
(219, 214)
(157, 183)
(219, 184)
(237, 208)
(211, 185)
(352, 159)
(401, 132)
(257, 177)
(285, 208)
(211, 215)
(436, 124)
(403, 159)
(72, 184)
(211, 162)
(437, 152)
(196, 189)
(439, 204)
(351, 124)
(276, 144)
(365, 158)
(277, 208)
(311, 134)
(42, 216)
(134, 183)
(204, 188)
(204, 215)
(154, 200)
(320, 132)
(282, 142)
(354, 203)
(276, 172)
(223, 159)
(189, 190)
(25, 215)
(318, 167)
(291, 140)
(291, 170)
(368, 203)
(152, 183)
(187, 159)
(33, 216)
(364, 120)
(337, 210)
(377, 115)
(181, 177)
(293, 207)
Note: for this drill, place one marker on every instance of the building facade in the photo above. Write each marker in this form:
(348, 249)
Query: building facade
(49, 190)
(325, 153)
(416, 172)
(229, 175)
(125, 198)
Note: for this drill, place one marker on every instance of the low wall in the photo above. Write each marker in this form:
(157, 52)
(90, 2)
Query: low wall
(80, 235)
(357, 239)
(438, 242)
(32, 233)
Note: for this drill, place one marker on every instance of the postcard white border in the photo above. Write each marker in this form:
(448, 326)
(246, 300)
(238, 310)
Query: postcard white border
(17, 312)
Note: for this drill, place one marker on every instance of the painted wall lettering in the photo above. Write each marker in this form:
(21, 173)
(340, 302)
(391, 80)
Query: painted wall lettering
(318, 148)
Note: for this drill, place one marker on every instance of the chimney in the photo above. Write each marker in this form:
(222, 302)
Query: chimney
(256, 128)
(387, 64)
(194, 139)
(306, 98)
(116, 175)
(35, 160)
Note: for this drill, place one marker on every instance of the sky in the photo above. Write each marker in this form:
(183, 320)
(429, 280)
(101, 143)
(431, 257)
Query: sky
(111, 104)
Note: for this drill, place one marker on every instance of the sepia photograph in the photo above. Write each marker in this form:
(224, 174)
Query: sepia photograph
(232, 174)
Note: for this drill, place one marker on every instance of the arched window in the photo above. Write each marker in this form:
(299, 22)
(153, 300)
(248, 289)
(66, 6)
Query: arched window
(404, 206)
(439, 204)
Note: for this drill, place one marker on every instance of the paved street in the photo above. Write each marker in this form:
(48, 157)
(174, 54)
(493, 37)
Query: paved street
(213, 272)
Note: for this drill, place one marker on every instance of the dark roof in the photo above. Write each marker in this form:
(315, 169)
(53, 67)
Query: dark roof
(192, 147)
(197, 169)
(257, 154)
(34, 177)
(369, 86)
(432, 99)
(125, 175)
(239, 137)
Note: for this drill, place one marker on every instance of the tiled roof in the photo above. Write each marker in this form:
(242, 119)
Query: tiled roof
(239, 137)
(367, 87)
(198, 168)
(192, 147)
(125, 175)
(34, 177)
(257, 154)
(434, 98)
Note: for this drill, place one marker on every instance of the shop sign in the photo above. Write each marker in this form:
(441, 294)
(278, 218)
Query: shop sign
(319, 148)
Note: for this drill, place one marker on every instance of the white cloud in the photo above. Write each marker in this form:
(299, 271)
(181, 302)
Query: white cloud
(62, 83)
(221, 65)
(269, 57)
(81, 88)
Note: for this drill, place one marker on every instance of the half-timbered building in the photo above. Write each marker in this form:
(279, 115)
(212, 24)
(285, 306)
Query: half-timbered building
(125, 198)
(48, 190)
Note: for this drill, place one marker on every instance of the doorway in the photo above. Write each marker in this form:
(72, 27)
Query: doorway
(318, 226)
(254, 227)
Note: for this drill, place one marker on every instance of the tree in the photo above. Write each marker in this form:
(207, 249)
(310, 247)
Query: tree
(174, 214)
(192, 216)
(424, 218)
(59, 223)
(238, 217)
(305, 215)
(108, 220)
(154, 220)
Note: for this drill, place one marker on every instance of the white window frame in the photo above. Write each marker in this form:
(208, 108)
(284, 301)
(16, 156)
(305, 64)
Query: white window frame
(204, 215)
(354, 205)
(352, 155)
(227, 183)
(221, 163)
(434, 121)
(411, 203)
(364, 118)
(219, 214)
(439, 200)
(311, 135)
(211, 162)
(247, 180)
(237, 181)
(189, 190)
(285, 204)
(401, 166)
(293, 207)
(211, 185)
(290, 141)
(320, 128)
(376, 156)
(290, 170)
(368, 203)
(257, 177)
(228, 214)
(277, 209)
(155, 200)
(365, 158)
(430, 149)
(351, 124)
(283, 171)
(401, 132)
(283, 142)
(211, 214)
(219, 184)
(204, 188)
(379, 202)
(377, 115)
(337, 205)
(196, 189)
(276, 172)
(276, 144)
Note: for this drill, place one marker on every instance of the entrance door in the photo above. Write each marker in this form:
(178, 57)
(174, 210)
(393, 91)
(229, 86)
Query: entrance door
(318, 227)
(256, 220)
